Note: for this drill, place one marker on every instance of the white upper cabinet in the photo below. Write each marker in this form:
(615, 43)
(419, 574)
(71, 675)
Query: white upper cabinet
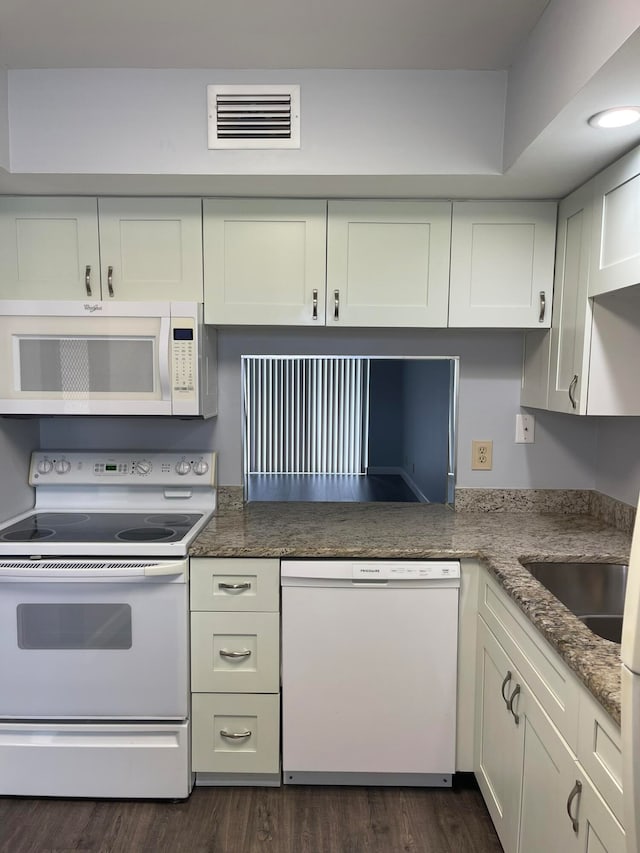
(572, 310)
(502, 264)
(388, 263)
(265, 261)
(615, 256)
(151, 249)
(49, 248)
(52, 248)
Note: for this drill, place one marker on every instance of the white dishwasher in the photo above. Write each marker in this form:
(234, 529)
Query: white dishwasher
(369, 664)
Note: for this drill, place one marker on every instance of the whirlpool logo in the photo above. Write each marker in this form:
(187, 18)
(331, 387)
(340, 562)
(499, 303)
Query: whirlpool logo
(92, 307)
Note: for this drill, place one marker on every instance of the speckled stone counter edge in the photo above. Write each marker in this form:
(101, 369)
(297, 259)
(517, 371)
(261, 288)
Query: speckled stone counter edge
(563, 501)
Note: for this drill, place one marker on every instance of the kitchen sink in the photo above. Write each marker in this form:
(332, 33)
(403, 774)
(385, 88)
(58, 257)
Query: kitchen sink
(593, 591)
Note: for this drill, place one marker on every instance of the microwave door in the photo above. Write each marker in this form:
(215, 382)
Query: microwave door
(88, 366)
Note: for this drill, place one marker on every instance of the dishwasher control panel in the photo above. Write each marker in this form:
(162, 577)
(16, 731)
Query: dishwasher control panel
(401, 570)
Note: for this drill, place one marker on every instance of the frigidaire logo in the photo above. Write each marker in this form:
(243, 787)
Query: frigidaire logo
(91, 308)
(371, 571)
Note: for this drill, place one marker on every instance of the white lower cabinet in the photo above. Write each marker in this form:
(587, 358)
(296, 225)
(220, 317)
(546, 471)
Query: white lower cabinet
(536, 788)
(235, 671)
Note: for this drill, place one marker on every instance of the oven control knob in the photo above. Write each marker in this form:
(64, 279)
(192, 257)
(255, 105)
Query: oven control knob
(62, 466)
(45, 466)
(143, 467)
(183, 467)
(201, 467)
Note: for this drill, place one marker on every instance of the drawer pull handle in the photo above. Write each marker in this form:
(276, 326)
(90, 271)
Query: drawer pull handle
(235, 735)
(225, 654)
(315, 305)
(110, 281)
(516, 690)
(507, 679)
(336, 305)
(234, 586)
(575, 792)
(87, 280)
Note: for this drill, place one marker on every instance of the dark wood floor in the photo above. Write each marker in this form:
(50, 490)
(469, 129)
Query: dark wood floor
(256, 820)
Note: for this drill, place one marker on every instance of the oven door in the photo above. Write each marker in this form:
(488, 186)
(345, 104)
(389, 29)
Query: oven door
(93, 642)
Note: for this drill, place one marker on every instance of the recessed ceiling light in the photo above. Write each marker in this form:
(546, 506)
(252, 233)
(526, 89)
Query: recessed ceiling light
(615, 117)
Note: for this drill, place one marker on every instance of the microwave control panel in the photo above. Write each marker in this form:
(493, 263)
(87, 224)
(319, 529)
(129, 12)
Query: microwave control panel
(183, 357)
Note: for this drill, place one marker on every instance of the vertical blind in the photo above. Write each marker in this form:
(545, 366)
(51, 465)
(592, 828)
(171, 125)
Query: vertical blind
(305, 415)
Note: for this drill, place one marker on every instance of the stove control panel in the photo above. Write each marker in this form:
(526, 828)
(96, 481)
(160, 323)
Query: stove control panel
(122, 469)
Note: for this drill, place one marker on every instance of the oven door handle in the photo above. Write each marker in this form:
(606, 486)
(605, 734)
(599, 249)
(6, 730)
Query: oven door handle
(17, 572)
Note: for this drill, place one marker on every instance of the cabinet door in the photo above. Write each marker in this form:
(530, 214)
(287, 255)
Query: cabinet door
(49, 248)
(388, 263)
(498, 741)
(571, 326)
(151, 249)
(502, 264)
(615, 253)
(598, 829)
(549, 776)
(265, 261)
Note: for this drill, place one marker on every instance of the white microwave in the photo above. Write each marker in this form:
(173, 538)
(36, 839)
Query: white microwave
(106, 358)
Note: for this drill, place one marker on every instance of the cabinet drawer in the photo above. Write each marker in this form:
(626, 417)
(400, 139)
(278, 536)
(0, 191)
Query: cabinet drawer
(229, 584)
(551, 681)
(235, 652)
(255, 718)
(599, 752)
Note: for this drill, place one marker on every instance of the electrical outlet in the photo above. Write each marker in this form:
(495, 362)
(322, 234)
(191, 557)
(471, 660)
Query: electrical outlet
(481, 455)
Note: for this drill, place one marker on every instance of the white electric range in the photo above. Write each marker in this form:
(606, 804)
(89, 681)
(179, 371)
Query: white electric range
(94, 662)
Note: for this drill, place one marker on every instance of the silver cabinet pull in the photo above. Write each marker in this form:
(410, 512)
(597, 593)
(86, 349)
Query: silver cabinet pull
(507, 679)
(336, 304)
(543, 305)
(244, 654)
(234, 586)
(516, 690)
(235, 735)
(87, 280)
(315, 305)
(110, 280)
(575, 792)
(572, 390)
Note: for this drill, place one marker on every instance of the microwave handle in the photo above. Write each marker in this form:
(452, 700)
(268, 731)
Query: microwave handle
(165, 358)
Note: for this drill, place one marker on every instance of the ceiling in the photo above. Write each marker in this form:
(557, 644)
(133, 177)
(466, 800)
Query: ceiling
(385, 35)
(401, 34)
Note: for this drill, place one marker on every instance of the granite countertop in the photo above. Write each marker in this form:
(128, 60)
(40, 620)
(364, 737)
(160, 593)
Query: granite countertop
(498, 539)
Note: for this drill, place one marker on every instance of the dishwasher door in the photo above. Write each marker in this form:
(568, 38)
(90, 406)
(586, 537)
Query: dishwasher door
(369, 664)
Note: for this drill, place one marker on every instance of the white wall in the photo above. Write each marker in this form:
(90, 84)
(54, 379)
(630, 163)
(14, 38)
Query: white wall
(618, 458)
(18, 437)
(571, 42)
(132, 121)
(490, 366)
(4, 120)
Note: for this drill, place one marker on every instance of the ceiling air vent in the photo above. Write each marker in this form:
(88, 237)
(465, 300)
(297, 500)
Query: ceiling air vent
(254, 116)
